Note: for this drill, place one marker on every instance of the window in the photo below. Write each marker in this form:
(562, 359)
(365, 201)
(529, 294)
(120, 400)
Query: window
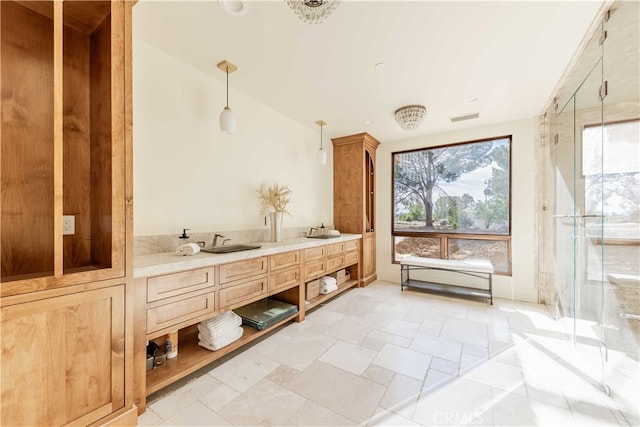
(453, 202)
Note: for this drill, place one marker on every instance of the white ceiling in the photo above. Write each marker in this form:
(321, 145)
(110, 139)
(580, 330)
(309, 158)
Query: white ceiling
(509, 54)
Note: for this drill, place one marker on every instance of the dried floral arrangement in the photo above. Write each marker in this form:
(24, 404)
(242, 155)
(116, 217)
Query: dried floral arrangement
(274, 198)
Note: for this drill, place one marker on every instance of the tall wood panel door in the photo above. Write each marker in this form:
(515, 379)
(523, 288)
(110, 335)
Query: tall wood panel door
(63, 358)
(354, 159)
(62, 143)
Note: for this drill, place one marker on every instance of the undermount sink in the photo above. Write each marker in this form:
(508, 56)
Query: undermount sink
(323, 236)
(230, 248)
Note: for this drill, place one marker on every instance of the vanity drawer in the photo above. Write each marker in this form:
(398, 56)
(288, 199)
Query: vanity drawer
(351, 258)
(171, 285)
(284, 279)
(284, 260)
(233, 293)
(315, 253)
(335, 249)
(242, 269)
(335, 262)
(167, 315)
(351, 245)
(314, 269)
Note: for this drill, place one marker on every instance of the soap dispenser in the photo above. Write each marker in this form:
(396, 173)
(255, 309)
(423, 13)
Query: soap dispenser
(184, 236)
(323, 230)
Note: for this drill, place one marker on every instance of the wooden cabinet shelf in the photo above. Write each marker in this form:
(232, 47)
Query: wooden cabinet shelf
(323, 298)
(192, 357)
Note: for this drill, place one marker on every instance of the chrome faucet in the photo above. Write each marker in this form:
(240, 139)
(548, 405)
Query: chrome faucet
(310, 233)
(215, 240)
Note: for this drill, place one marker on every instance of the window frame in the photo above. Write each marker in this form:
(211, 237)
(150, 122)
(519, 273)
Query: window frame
(445, 236)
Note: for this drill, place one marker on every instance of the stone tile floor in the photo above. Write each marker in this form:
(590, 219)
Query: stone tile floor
(381, 356)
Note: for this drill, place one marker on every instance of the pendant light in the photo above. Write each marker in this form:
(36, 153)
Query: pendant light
(227, 118)
(322, 155)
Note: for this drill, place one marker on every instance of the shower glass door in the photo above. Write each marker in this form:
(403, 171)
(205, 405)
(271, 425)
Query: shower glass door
(578, 144)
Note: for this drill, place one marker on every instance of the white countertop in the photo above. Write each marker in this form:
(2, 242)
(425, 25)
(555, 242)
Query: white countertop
(166, 263)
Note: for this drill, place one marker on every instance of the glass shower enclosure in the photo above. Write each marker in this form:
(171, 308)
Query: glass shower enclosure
(594, 154)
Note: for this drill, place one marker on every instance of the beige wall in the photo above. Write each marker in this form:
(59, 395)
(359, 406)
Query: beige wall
(522, 285)
(189, 174)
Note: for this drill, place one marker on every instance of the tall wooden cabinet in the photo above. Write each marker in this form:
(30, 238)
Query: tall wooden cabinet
(65, 149)
(354, 160)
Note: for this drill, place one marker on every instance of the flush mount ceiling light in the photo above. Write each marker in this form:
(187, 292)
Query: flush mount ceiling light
(234, 7)
(410, 116)
(313, 11)
(227, 119)
(322, 155)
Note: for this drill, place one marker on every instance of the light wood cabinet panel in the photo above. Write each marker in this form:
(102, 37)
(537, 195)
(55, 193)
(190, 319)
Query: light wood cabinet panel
(335, 262)
(350, 245)
(284, 279)
(171, 285)
(351, 257)
(63, 358)
(336, 248)
(284, 260)
(314, 269)
(167, 315)
(232, 294)
(369, 258)
(354, 160)
(241, 269)
(315, 253)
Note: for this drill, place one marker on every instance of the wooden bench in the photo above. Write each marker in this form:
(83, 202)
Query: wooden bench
(476, 268)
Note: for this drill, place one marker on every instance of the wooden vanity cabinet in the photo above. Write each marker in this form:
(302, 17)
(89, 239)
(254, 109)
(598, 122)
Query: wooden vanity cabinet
(179, 301)
(354, 161)
(66, 150)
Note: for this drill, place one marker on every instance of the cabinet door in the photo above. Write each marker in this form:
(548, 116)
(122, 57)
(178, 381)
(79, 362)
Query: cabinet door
(368, 257)
(63, 358)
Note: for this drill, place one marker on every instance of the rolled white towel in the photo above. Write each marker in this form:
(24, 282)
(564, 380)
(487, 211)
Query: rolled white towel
(327, 288)
(328, 280)
(188, 249)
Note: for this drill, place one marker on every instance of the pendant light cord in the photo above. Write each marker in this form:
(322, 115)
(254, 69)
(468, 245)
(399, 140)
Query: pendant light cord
(227, 68)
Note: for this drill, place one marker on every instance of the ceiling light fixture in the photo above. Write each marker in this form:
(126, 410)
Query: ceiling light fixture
(234, 7)
(227, 119)
(322, 155)
(313, 11)
(410, 116)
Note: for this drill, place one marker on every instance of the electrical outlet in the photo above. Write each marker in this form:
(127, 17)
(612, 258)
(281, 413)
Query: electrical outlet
(68, 224)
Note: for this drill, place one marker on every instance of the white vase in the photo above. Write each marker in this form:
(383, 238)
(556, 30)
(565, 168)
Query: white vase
(275, 219)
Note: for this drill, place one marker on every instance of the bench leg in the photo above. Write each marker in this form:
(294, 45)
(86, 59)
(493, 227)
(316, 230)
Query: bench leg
(491, 288)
